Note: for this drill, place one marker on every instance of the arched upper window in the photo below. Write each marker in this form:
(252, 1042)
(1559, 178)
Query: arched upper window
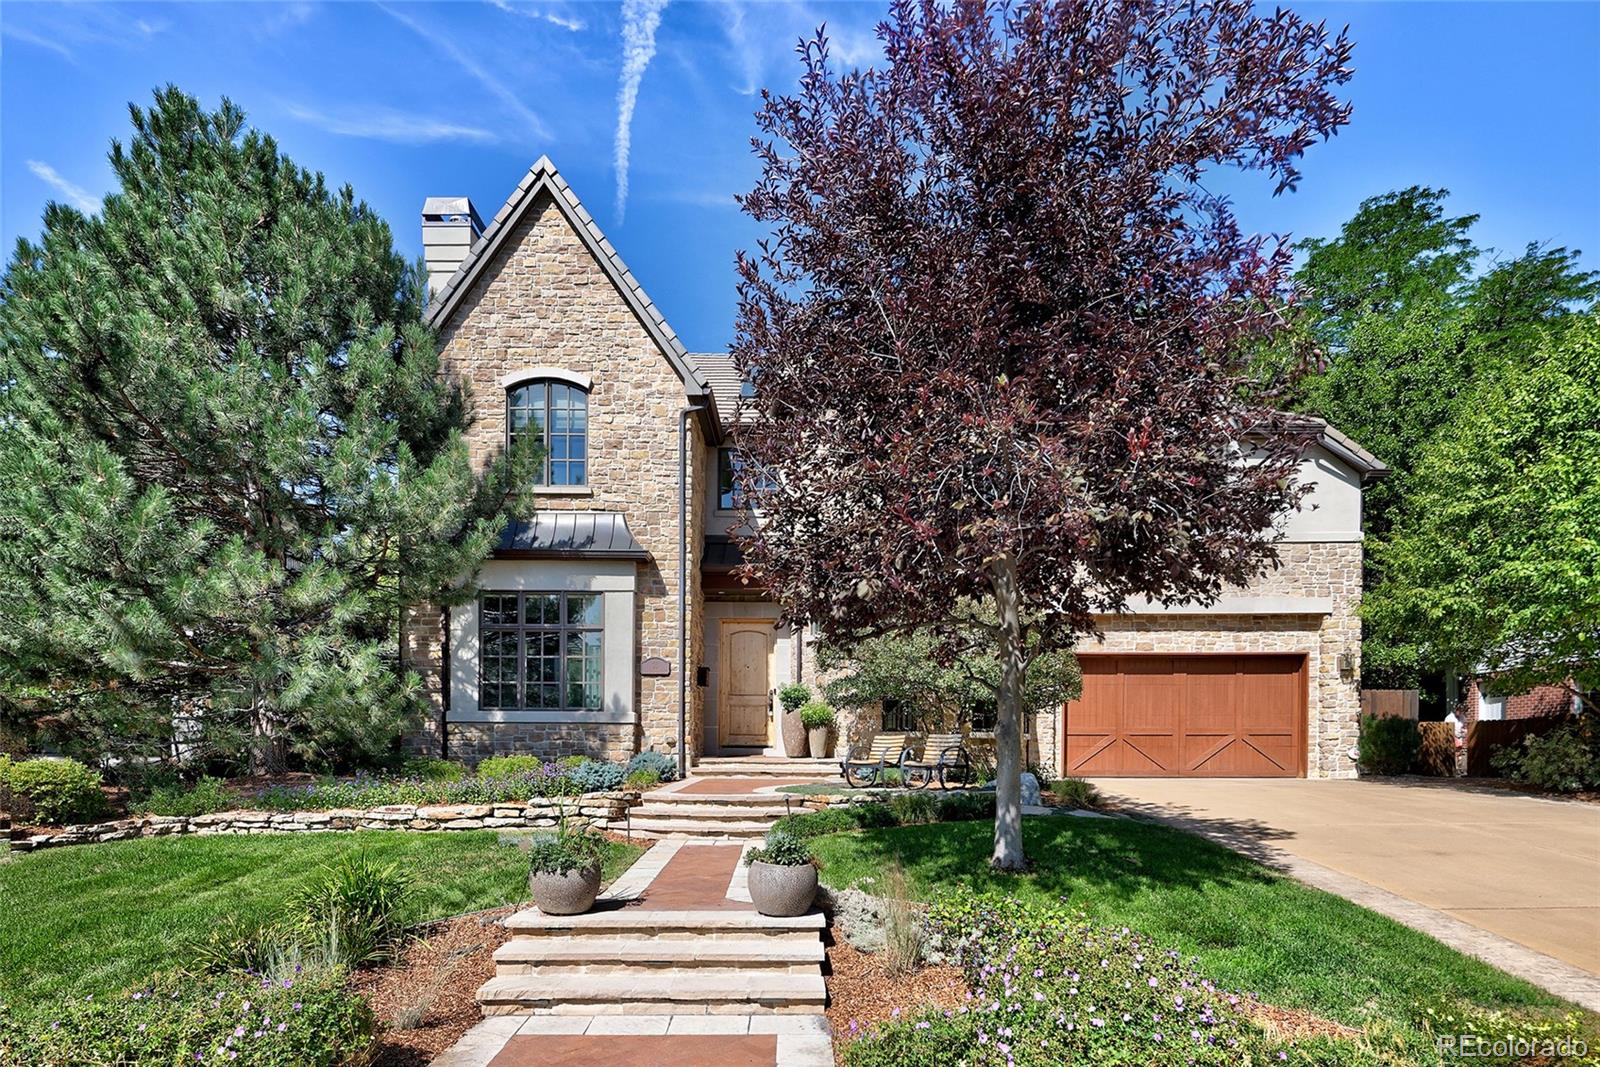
(559, 413)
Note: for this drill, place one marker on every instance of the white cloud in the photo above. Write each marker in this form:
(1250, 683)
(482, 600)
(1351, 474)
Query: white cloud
(553, 16)
(17, 33)
(533, 125)
(283, 17)
(387, 124)
(640, 20)
(80, 197)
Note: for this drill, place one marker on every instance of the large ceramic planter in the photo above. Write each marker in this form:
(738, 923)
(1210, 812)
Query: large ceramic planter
(569, 893)
(821, 740)
(782, 891)
(794, 735)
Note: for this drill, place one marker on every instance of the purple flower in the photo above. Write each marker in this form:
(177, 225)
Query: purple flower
(282, 1027)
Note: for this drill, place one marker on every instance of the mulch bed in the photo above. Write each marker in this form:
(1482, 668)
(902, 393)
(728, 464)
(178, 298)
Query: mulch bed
(861, 993)
(424, 1000)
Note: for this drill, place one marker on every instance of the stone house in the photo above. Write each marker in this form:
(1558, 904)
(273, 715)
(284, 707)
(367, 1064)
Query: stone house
(613, 621)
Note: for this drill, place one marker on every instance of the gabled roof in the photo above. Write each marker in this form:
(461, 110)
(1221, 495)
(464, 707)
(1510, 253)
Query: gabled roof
(543, 177)
(1341, 445)
(722, 376)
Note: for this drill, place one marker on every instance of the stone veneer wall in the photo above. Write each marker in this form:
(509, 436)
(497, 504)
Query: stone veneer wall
(544, 302)
(1322, 569)
(603, 810)
(1309, 569)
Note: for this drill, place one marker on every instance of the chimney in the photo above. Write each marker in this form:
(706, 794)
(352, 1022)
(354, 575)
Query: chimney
(450, 225)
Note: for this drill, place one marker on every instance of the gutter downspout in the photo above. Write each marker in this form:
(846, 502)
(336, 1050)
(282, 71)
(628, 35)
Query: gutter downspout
(683, 586)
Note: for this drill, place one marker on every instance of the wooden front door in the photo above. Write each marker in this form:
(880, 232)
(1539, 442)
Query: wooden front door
(744, 688)
(1180, 716)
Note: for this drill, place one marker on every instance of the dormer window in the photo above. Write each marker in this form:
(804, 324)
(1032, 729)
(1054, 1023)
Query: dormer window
(731, 466)
(558, 412)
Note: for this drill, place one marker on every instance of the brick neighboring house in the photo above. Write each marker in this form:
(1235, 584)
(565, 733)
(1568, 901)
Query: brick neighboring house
(1480, 700)
(589, 636)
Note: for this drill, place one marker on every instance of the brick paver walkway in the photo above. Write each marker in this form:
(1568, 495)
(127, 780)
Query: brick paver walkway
(727, 787)
(587, 1050)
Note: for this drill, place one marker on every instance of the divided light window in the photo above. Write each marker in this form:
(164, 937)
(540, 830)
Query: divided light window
(729, 497)
(539, 651)
(559, 414)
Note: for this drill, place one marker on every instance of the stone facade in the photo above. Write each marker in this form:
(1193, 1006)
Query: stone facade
(543, 301)
(1324, 570)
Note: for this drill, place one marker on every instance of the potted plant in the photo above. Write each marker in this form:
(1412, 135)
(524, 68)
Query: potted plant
(564, 869)
(783, 880)
(793, 696)
(818, 719)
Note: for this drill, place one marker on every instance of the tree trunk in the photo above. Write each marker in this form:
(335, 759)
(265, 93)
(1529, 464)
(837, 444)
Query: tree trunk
(1008, 854)
(269, 754)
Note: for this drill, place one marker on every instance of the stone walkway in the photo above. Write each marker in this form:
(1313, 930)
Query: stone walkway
(673, 967)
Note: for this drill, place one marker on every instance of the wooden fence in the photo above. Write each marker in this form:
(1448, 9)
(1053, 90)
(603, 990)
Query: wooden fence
(1390, 703)
(1483, 738)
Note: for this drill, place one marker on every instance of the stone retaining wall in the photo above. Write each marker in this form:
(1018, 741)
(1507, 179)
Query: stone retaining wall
(606, 811)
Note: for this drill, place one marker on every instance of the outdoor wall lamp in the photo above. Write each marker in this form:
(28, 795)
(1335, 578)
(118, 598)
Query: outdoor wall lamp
(1347, 665)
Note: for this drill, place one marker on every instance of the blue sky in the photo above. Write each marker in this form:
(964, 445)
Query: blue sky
(1500, 103)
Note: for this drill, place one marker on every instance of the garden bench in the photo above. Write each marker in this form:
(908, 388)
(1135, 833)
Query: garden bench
(944, 759)
(883, 752)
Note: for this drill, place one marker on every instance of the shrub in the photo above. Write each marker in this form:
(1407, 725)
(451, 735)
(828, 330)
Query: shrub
(1075, 793)
(830, 820)
(665, 766)
(362, 792)
(234, 943)
(204, 797)
(568, 763)
(793, 695)
(914, 809)
(428, 769)
(593, 776)
(780, 849)
(1387, 745)
(355, 905)
(510, 766)
(1565, 760)
(1052, 989)
(891, 776)
(816, 715)
(244, 1021)
(642, 779)
(54, 792)
(568, 849)
(965, 807)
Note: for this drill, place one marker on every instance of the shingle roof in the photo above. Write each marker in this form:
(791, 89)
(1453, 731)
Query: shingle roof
(1345, 447)
(722, 376)
(543, 177)
(567, 534)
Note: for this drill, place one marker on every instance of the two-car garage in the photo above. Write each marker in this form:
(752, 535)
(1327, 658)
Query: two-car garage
(1218, 715)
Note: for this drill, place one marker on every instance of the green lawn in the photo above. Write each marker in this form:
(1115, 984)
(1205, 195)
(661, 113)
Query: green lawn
(1252, 930)
(98, 918)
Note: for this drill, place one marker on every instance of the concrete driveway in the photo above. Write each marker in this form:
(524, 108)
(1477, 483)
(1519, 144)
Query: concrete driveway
(1524, 868)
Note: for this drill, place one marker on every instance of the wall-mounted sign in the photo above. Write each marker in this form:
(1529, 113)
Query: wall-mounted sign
(655, 667)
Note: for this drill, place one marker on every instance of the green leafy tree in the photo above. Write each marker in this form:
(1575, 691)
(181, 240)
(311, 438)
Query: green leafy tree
(1407, 333)
(907, 668)
(1494, 563)
(229, 461)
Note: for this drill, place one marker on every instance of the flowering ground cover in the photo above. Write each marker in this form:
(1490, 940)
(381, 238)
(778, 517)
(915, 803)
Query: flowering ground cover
(1238, 930)
(82, 921)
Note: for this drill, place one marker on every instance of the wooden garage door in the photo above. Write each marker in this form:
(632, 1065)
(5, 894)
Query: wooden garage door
(1238, 716)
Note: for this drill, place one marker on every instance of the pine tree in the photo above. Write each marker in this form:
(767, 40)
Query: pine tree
(229, 460)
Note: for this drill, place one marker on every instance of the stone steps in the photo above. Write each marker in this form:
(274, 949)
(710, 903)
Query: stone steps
(764, 766)
(531, 922)
(698, 826)
(655, 991)
(598, 955)
(712, 812)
